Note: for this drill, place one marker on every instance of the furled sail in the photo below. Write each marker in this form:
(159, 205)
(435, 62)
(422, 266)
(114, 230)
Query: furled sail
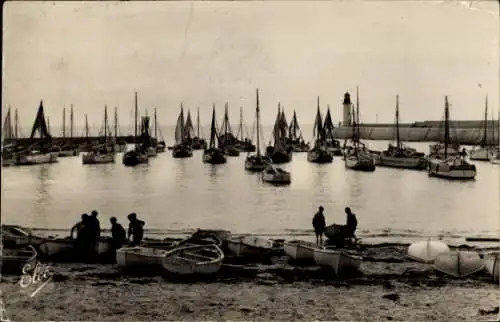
(179, 127)
(188, 127)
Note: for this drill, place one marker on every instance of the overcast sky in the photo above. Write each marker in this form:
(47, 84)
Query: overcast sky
(92, 54)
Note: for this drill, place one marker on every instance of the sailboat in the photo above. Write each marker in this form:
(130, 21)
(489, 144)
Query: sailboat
(295, 139)
(257, 162)
(319, 152)
(357, 156)
(448, 166)
(227, 141)
(181, 149)
(38, 152)
(159, 142)
(495, 156)
(9, 149)
(483, 151)
(120, 146)
(399, 155)
(212, 154)
(197, 142)
(243, 144)
(279, 153)
(139, 154)
(332, 144)
(102, 153)
(67, 149)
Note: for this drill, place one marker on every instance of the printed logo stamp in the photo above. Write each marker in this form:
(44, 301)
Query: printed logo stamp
(35, 277)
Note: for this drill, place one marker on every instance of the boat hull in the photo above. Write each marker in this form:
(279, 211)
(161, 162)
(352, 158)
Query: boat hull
(231, 151)
(427, 251)
(254, 163)
(98, 158)
(402, 162)
(366, 164)
(179, 152)
(14, 261)
(133, 158)
(481, 153)
(492, 265)
(193, 260)
(135, 257)
(249, 246)
(299, 250)
(279, 157)
(281, 178)
(214, 157)
(320, 156)
(37, 159)
(448, 170)
(340, 262)
(458, 264)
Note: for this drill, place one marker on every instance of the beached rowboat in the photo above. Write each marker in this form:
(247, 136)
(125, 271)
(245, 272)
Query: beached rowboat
(202, 259)
(139, 256)
(12, 261)
(492, 264)
(53, 247)
(300, 250)
(427, 251)
(459, 263)
(249, 245)
(341, 262)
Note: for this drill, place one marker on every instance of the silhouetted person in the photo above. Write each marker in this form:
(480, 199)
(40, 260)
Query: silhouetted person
(82, 234)
(94, 231)
(351, 223)
(117, 233)
(80, 227)
(319, 224)
(135, 229)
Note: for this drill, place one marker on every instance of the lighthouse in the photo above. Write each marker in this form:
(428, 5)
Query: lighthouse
(347, 110)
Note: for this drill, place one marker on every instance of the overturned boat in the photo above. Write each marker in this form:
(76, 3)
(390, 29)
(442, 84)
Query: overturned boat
(427, 251)
(458, 263)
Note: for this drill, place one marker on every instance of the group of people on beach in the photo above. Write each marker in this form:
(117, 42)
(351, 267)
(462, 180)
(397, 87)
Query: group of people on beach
(88, 231)
(346, 231)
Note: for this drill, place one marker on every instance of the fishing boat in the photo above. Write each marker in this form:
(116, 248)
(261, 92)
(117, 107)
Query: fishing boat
(279, 152)
(204, 260)
(249, 245)
(120, 145)
(300, 250)
(357, 156)
(12, 261)
(340, 262)
(227, 141)
(446, 166)
(495, 155)
(257, 162)
(492, 264)
(104, 153)
(483, 151)
(139, 154)
(427, 251)
(159, 142)
(62, 246)
(134, 257)
(38, 153)
(319, 152)
(9, 139)
(400, 156)
(181, 149)
(197, 142)
(295, 139)
(332, 144)
(273, 174)
(243, 143)
(65, 148)
(212, 154)
(458, 263)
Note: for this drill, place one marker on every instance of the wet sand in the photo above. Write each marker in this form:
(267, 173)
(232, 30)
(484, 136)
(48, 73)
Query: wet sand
(390, 287)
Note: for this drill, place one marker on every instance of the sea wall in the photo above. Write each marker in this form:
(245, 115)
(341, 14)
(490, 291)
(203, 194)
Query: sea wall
(415, 134)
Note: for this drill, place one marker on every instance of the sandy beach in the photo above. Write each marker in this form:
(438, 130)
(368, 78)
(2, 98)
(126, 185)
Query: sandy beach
(389, 288)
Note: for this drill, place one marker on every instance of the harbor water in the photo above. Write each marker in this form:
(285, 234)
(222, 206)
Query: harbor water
(178, 195)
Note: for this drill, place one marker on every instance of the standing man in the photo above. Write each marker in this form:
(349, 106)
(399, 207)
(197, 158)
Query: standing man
(135, 229)
(351, 223)
(319, 225)
(94, 231)
(117, 233)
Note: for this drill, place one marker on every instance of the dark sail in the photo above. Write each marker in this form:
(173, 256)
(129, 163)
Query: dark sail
(40, 124)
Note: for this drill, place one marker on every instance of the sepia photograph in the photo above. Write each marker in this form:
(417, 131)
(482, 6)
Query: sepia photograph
(250, 160)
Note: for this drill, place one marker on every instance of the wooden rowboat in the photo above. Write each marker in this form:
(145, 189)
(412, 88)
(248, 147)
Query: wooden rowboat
(190, 260)
(492, 264)
(249, 245)
(341, 262)
(458, 264)
(300, 250)
(427, 251)
(131, 257)
(12, 261)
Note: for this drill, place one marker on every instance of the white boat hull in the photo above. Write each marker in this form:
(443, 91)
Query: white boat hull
(492, 265)
(299, 250)
(427, 251)
(57, 246)
(182, 265)
(139, 256)
(98, 158)
(366, 163)
(481, 153)
(340, 262)
(33, 159)
(458, 264)
(446, 170)
(249, 245)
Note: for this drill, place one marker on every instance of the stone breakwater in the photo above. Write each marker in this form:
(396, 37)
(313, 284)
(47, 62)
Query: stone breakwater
(420, 134)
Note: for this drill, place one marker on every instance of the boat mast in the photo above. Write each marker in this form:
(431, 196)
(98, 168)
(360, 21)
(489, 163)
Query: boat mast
(86, 127)
(71, 122)
(212, 129)
(64, 123)
(156, 127)
(135, 121)
(357, 114)
(485, 134)
(116, 122)
(198, 122)
(498, 132)
(241, 123)
(105, 123)
(48, 124)
(16, 125)
(446, 126)
(257, 112)
(182, 123)
(398, 143)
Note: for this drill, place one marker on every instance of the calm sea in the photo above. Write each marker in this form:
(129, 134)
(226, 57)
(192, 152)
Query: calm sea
(177, 195)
